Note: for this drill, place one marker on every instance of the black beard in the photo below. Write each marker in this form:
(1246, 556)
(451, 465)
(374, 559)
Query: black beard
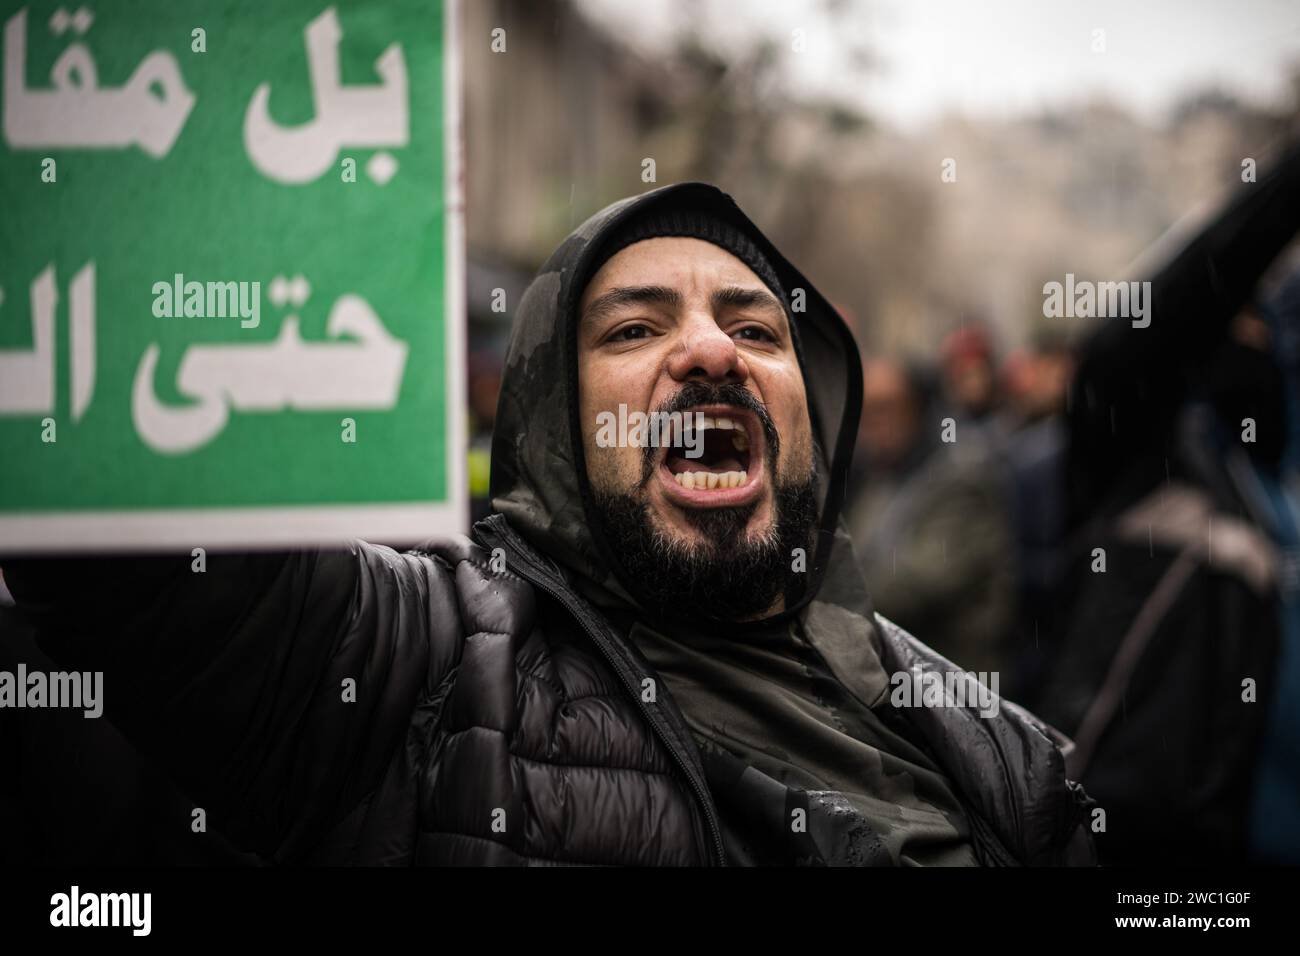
(730, 576)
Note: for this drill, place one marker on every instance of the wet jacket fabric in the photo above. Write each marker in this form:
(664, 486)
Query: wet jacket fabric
(807, 760)
(472, 701)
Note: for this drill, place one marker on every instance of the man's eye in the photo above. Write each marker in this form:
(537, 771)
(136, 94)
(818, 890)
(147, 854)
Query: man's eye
(755, 334)
(630, 332)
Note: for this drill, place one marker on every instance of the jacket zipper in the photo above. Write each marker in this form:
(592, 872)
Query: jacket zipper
(537, 579)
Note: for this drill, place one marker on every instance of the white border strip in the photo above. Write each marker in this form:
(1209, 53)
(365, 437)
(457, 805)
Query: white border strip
(275, 526)
(453, 268)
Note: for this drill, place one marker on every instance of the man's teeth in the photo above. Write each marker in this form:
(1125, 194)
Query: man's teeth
(739, 440)
(710, 480)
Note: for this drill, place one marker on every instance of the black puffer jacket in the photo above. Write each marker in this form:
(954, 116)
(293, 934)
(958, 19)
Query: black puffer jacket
(469, 702)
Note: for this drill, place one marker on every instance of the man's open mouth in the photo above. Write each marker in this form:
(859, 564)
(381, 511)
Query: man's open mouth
(729, 442)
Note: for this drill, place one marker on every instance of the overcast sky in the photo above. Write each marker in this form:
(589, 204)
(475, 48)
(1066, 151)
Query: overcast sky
(1003, 56)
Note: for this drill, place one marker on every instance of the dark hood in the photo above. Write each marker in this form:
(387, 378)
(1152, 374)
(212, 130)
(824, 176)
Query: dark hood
(538, 471)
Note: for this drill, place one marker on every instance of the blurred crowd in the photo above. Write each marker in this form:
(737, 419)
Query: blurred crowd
(957, 509)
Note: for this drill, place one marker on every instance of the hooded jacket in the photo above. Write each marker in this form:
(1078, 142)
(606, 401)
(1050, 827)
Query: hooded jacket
(471, 701)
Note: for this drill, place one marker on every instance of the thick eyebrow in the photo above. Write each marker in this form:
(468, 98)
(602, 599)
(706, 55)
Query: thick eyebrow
(737, 297)
(614, 299)
(741, 298)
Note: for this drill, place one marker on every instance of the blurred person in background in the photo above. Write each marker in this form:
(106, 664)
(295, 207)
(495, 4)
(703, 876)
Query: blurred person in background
(1168, 605)
(1030, 441)
(969, 373)
(1274, 825)
(1167, 669)
(931, 521)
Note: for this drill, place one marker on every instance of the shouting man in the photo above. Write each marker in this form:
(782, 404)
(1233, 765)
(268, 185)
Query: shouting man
(653, 652)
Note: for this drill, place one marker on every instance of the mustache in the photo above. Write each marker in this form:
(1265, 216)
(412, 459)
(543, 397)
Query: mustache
(701, 393)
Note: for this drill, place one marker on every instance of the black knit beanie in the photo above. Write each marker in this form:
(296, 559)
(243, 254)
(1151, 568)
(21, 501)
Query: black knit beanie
(691, 224)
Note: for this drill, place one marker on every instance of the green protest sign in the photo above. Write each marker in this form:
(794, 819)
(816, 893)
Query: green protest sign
(230, 274)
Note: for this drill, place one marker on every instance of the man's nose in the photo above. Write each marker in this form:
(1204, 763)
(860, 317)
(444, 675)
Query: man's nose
(705, 351)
